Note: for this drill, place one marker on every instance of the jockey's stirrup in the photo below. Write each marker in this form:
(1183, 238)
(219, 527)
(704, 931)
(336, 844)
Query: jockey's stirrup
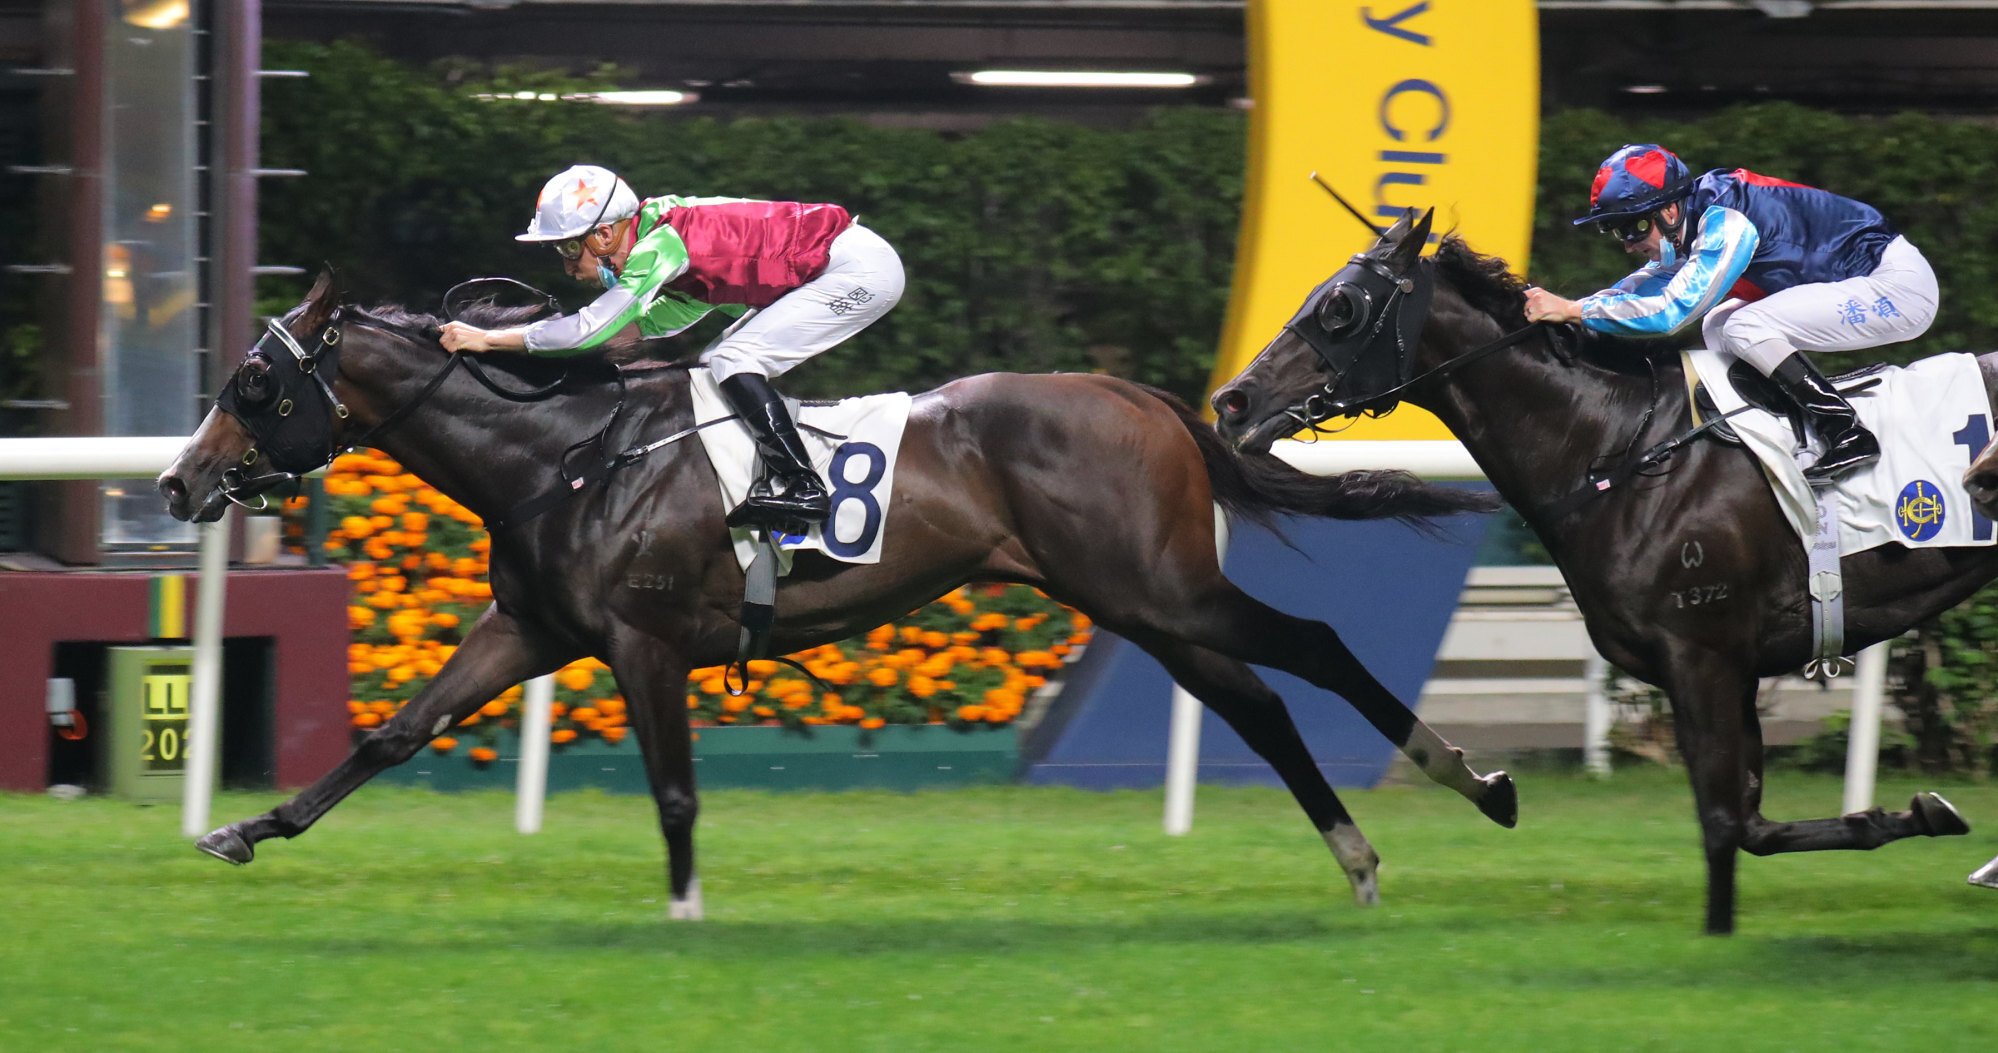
(1848, 445)
(802, 499)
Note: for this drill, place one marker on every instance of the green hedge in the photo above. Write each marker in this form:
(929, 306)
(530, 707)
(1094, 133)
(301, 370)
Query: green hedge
(1030, 245)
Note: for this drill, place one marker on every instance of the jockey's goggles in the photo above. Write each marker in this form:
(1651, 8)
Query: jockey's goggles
(572, 248)
(1628, 231)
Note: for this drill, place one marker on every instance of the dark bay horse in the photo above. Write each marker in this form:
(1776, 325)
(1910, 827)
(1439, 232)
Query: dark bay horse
(1096, 490)
(1688, 577)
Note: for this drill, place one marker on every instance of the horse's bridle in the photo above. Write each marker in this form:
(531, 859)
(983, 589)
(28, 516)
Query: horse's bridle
(1359, 324)
(293, 422)
(1365, 323)
(274, 418)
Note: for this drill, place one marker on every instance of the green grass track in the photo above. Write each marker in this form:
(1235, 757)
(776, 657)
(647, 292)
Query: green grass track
(1005, 919)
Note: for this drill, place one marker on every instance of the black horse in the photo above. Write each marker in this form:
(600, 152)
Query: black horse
(1096, 490)
(1541, 409)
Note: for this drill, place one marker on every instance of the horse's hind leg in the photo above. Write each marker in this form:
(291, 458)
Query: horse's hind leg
(1228, 620)
(1258, 715)
(1928, 815)
(497, 653)
(653, 678)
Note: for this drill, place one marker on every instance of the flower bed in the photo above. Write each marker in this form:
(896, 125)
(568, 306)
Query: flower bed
(417, 561)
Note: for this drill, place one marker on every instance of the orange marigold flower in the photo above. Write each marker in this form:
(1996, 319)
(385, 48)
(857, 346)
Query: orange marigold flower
(484, 754)
(882, 676)
(562, 735)
(575, 679)
(444, 744)
(583, 714)
(736, 704)
(366, 720)
(971, 712)
(616, 735)
(873, 722)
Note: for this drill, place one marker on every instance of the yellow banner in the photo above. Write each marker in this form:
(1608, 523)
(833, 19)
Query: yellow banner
(1398, 103)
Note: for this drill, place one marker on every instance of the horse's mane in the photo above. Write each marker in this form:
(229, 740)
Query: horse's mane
(1488, 284)
(486, 314)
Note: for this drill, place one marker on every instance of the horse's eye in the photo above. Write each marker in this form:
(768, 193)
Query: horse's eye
(253, 381)
(1339, 313)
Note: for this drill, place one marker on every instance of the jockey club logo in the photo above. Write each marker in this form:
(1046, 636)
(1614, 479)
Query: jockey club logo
(1919, 512)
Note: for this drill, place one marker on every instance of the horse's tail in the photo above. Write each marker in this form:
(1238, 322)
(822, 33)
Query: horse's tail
(1260, 486)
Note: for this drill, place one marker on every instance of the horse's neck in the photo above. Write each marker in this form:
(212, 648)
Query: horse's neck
(1537, 426)
(490, 454)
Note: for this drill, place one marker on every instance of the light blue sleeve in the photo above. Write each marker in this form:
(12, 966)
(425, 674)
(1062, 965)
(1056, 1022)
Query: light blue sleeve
(1656, 301)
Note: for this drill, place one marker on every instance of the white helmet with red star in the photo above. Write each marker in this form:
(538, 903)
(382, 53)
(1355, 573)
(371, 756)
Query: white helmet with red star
(578, 200)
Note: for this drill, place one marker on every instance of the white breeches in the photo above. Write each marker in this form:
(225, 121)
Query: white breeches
(1894, 303)
(862, 280)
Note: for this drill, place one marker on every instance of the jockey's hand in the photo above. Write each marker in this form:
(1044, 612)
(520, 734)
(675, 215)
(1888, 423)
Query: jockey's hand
(457, 336)
(1544, 306)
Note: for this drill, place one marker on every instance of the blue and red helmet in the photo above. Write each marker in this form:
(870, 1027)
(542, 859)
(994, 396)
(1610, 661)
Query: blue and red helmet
(1635, 181)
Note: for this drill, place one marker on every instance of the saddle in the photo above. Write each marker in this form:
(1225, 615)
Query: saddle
(1762, 393)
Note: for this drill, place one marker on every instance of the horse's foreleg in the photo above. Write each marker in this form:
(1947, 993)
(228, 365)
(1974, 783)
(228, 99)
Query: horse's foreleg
(653, 678)
(1257, 714)
(496, 654)
(1709, 692)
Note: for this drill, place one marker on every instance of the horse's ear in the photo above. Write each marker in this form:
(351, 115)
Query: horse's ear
(1410, 234)
(320, 302)
(1394, 235)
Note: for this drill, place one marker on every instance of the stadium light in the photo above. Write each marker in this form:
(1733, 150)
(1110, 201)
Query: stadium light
(1049, 78)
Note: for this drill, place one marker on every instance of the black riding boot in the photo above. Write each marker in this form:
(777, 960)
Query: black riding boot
(1848, 445)
(802, 501)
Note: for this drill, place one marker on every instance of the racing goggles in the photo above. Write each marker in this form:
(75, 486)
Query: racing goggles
(1628, 231)
(572, 248)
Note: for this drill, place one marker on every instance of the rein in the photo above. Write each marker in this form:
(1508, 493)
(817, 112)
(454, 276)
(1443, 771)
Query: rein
(1319, 407)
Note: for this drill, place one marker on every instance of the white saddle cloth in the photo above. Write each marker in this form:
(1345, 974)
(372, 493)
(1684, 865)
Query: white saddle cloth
(853, 443)
(1931, 418)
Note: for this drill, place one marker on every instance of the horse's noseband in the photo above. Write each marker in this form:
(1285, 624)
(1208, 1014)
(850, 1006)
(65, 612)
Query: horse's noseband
(1364, 324)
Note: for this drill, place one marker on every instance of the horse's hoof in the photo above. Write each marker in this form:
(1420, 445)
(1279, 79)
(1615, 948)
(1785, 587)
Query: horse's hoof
(1937, 816)
(687, 906)
(1500, 799)
(228, 846)
(1366, 887)
(1985, 876)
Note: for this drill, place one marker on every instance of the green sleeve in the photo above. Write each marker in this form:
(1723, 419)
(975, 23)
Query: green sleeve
(659, 257)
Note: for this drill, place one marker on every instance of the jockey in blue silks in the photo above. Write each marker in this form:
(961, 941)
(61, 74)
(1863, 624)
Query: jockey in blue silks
(1769, 267)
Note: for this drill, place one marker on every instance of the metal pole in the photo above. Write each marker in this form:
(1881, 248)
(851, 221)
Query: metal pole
(1862, 744)
(1596, 715)
(531, 789)
(204, 703)
(1183, 738)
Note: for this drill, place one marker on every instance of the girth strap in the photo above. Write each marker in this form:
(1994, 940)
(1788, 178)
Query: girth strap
(1826, 588)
